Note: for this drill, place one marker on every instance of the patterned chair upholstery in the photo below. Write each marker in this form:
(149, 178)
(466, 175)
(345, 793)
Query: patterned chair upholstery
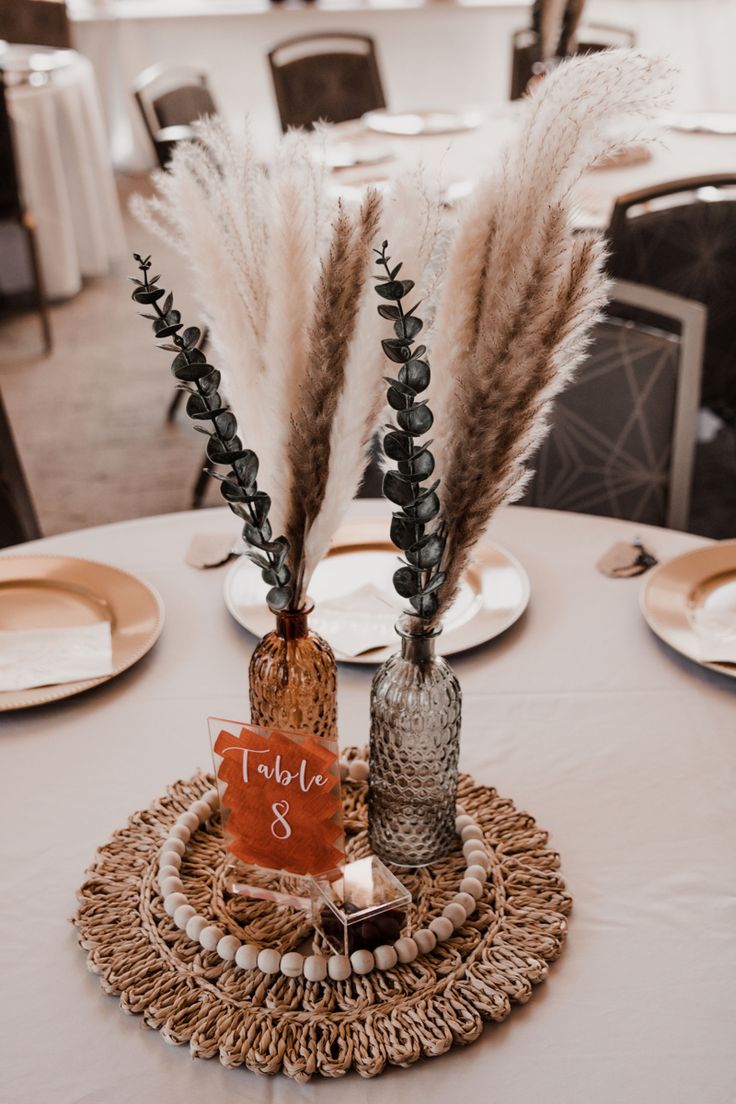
(623, 433)
(688, 249)
(331, 77)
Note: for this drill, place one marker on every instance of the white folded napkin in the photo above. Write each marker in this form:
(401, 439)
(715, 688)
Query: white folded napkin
(356, 622)
(716, 632)
(44, 657)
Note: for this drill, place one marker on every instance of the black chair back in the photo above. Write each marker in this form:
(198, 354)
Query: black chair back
(18, 521)
(170, 100)
(526, 51)
(331, 77)
(10, 202)
(681, 237)
(41, 22)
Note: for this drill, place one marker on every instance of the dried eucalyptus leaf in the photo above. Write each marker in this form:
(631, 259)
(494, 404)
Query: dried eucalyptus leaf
(246, 467)
(396, 349)
(147, 295)
(404, 531)
(278, 598)
(226, 425)
(232, 491)
(260, 504)
(436, 582)
(415, 374)
(196, 405)
(396, 399)
(191, 336)
(402, 388)
(416, 420)
(427, 552)
(389, 312)
(426, 509)
(425, 604)
(191, 372)
(397, 489)
(420, 467)
(397, 446)
(408, 327)
(394, 289)
(168, 304)
(210, 382)
(191, 356)
(406, 582)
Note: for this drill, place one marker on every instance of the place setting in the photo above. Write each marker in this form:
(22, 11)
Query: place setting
(436, 715)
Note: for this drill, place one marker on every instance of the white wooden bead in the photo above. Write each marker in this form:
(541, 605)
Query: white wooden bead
(478, 858)
(362, 961)
(442, 928)
(171, 885)
(473, 886)
(188, 820)
(246, 956)
(212, 798)
(292, 964)
(183, 915)
(202, 810)
(180, 832)
(269, 960)
(210, 936)
(455, 913)
(170, 858)
(315, 967)
(463, 821)
(228, 947)
(167, 872)
(470, 846)
(425, 940)
(359, 770)
(386, 957)
(466, 901)
(478, 872)
(195, 926)
(174, 845)
(406, 949)
(344, 770)
(339, 967)
(172, 902)
(472, 832)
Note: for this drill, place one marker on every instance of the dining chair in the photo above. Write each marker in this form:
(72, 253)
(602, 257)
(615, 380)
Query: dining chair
(622, 437)
(12, 209)
(170, 99)
(332, 77)
(18, 519)
(526, 55)
(681, 237)
(41, 22)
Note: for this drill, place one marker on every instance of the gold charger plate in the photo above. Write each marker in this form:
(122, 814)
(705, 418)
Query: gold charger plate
(52, 591)
(493, 595)
(704, 579)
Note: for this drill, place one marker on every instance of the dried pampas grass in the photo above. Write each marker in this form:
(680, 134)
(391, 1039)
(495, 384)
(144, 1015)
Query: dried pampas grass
(521, 292)
(281, 273)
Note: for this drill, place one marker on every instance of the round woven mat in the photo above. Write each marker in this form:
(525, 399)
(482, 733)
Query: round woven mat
(271, 1023)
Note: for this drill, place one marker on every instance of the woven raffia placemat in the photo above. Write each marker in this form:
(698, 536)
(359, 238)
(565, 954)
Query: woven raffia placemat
(271, 1023)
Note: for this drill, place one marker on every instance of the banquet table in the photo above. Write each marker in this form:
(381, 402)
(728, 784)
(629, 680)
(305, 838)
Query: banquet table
(457, 161)
(620, 748)
(65, 172)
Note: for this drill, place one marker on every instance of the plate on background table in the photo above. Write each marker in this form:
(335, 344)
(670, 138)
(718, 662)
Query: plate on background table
(39, 592)
(699, 586)
(421, 122)
(703, 122)
(356, 606)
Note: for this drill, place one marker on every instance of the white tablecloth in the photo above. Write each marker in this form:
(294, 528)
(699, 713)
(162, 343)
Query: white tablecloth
(67, 179)
(622, 750)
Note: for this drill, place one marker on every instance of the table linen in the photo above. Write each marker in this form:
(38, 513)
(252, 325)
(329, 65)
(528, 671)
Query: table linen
(66, 178)
(620, 748)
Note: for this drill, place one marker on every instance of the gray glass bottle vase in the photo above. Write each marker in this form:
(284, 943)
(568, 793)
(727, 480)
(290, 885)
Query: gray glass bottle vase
(414, 747)
(293, 678)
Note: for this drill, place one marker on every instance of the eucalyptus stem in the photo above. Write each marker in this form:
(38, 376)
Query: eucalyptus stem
(239, 486)
(419, 578)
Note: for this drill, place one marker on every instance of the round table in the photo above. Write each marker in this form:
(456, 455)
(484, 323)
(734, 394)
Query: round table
(65, 170)
(621, 749)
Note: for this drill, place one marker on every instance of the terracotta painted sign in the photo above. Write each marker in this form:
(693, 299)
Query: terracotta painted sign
(280, 797)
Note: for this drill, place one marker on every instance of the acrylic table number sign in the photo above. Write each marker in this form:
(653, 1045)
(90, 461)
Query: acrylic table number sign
(280, 806)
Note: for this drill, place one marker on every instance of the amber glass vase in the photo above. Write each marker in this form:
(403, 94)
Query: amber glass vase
(415, 742)
(293, 678)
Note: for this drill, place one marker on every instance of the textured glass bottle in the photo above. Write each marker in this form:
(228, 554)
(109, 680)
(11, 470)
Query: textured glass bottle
(415, 741)
(293, 678)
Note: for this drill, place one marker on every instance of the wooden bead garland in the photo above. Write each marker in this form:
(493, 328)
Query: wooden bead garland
(316, 967)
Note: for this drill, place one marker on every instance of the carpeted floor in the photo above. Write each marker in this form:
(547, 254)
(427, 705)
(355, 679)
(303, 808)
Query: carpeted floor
(90, 420)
